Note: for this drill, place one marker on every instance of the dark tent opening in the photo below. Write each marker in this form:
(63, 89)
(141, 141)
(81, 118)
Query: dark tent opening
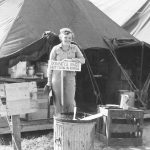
(132, 58)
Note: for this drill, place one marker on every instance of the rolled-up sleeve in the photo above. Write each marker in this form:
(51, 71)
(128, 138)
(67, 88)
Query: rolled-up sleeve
(49, 71)
(79, 55)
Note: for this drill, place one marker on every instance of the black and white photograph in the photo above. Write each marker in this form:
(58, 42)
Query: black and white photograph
(74, 74)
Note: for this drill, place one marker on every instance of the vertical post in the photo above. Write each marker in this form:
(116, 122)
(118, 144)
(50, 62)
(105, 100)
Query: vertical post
(62, 87)
(141, 68)
(108, 130)
(16, 133)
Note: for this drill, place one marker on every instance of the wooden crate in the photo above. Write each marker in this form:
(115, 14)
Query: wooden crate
(20, 98)
(120, 127)
(43, 112)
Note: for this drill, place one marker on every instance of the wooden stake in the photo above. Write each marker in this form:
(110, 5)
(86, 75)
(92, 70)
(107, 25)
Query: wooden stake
(16, 132)
(62, 87)
(92, 117)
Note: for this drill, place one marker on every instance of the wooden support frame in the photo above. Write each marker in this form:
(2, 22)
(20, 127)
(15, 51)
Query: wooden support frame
(117, 129)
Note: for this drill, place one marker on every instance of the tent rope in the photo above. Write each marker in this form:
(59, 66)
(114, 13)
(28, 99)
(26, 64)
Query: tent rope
(93, 81)
(141, 66)
(132, 85)
(144, 91)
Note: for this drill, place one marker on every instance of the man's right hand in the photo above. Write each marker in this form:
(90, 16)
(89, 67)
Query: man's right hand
(47, 89)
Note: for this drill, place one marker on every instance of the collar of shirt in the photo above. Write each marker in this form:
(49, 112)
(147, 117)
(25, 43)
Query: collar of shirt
(61, 46)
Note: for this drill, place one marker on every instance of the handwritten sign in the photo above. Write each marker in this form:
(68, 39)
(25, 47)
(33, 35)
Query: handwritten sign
(65, 65)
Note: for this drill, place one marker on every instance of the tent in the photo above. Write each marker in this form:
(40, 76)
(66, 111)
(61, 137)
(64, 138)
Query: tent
(119, 11)
(138, 25)
(133, 15)
(23, 22)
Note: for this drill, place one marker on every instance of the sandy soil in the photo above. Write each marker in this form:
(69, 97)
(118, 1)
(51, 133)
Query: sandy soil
(42, 141)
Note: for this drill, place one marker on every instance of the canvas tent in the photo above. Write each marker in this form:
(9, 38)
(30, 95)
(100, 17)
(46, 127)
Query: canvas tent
(23, 22)
(133, 15)
(138, 25)
(119, 11)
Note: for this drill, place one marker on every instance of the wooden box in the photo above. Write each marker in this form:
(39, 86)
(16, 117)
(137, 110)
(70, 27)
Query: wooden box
(118, 127)
(20, 98)
(19, 70)
(45, 110)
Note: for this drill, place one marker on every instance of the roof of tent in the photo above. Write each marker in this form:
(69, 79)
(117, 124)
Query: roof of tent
(133, 15)
(119, 11)
(139, 24)
(23, 22)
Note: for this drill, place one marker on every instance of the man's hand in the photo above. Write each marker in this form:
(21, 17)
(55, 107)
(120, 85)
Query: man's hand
(47, 89)
(76, 60)
(67, 60)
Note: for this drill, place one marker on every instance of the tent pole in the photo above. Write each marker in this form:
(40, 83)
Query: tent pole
(141, 67)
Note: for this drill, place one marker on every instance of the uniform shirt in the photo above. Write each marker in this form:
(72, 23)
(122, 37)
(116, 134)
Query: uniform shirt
(58, 54)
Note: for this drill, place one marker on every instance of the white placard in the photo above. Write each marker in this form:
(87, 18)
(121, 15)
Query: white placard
(65, 65)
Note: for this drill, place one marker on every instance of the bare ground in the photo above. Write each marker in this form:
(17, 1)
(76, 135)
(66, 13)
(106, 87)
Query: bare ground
(43, 140)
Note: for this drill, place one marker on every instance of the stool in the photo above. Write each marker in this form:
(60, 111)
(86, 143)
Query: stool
(120, 127)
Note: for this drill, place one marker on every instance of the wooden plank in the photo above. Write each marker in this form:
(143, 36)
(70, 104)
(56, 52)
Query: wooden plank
(103, 111)
(108, 130)
(146, 113)
(3, 122)
(95, 116)
(16, 132)
(41, 114)
(11, 80)
(123, 128)
(101, 137)
(21, 98)
(126, 113)
(21, 89)
(37, 127)
(104, 125)
(43, 105)
(27, 126)
(125, 142)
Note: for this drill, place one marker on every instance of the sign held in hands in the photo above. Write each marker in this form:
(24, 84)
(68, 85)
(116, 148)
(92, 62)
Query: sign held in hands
(65, 65)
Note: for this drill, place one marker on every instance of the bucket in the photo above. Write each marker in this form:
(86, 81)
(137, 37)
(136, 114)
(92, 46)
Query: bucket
(127, 99)
(42, 68)
(73, 134)
(31, 71)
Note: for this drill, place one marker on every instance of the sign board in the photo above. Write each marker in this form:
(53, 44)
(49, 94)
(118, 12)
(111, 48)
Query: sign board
(65, 65)
(21, 98)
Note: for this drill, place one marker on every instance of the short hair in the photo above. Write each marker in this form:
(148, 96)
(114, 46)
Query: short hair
(66, 31)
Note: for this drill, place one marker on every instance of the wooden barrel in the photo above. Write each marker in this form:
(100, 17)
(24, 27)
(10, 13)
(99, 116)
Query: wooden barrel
(73, 134)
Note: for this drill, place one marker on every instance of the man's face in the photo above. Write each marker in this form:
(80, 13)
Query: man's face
(67, 38)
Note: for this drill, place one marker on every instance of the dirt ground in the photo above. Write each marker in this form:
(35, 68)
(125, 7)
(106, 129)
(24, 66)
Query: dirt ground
(98, 145)
(43, 140)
